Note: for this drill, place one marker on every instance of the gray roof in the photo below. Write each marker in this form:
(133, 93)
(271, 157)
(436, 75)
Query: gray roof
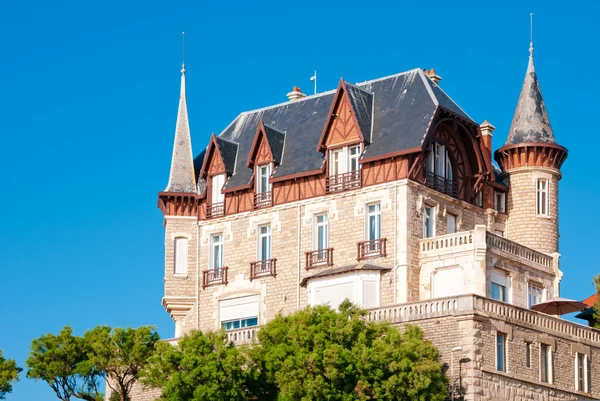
(362, 266)
(530, 122)
(394, 114)
(228, 152)
(276, 141)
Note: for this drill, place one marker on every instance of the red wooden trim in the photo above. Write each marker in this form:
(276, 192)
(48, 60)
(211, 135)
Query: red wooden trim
(297, 175)
(260, 133)
(390, 155)
(212, 147)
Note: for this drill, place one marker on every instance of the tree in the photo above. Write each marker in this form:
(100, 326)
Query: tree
(202, 366)
(318, 353)
(62, 362)
(595, 323)
(119, 355)
(9, 373)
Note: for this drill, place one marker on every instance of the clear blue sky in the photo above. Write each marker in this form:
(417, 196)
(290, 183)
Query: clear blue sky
(88, 99)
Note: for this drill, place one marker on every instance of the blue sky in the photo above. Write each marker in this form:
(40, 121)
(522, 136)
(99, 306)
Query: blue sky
(88, 100)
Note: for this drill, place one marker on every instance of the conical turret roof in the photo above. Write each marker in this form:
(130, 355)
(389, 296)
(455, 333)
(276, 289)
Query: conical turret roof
(530, 122)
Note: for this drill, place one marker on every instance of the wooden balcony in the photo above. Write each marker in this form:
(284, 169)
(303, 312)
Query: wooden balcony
(343, 182)
(214, 277)
(319, 258)
(263, 268)
(215, 210)
(371, 249)
(263, 199)
(441, 184)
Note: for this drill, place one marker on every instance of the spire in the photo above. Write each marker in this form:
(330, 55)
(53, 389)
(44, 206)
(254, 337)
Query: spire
(530, 122)
(182, 177)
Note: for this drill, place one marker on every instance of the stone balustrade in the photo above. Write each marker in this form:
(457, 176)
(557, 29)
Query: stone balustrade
(514, 249)
(242, 336)
(451, 242)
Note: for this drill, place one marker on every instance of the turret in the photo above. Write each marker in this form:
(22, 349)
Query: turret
(531, 160)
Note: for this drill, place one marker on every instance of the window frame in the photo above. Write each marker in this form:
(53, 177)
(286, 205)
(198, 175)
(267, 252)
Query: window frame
(180, 262)
(479, 199)
(546, 371)
(542, 197)
(431, 218)
(535, 287)
(316, 226)
(216, 187)
(378, 221)
(501, 364)
(259, 243)
(260, 189)
(528, 354)
(500, 201)
(343, 159)
(214, 244)
(581, 372)
(453, 218)
(503, 288)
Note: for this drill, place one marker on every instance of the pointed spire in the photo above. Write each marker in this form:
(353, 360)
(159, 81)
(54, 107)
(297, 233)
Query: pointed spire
(182, 177)
(530, 122)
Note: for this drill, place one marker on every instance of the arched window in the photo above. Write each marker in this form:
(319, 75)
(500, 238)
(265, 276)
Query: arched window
(439, 172)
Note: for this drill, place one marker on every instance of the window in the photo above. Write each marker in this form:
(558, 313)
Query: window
(499, 285)
(181, 255)
(361, 289)
(429, 222)
(534, 294)
(438, 162)
(451, 223)
(542, 198)
(216, 251)
(501, 352)
(528, 354)
(216, 186)
(320, 232)
(237, 313)
(581, 372)
(344, 160)
(479, 199)
(262, 181)
(264, 243)
(373, 221)
(353, 156)
(500, 201)
(545, 363)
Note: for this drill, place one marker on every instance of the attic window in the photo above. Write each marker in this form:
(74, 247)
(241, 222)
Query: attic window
(344, 168)
(439, 171)
(262, 195)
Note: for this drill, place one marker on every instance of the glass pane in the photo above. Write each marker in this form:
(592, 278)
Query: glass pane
(451, 224)
(500, 356)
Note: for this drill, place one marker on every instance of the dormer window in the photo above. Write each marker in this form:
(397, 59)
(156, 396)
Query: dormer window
(439, 171)
(262, 195)
(344, 168)
(216, 205)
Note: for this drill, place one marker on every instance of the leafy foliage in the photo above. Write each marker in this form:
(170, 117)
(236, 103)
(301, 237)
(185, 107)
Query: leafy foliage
(202, 366)
(596, 321)
(9, 373)
(62, 362)
(321, 354)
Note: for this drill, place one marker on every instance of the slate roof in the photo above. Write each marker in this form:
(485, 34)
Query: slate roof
(276, 141)
(228, 153)
(362, 266)
(530, 122)
(395, 111)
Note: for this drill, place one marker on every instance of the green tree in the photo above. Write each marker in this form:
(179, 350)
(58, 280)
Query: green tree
(596, 321)
(119, 355)
(9, 373)
(318, 353)
(202, 366)
(62, 362)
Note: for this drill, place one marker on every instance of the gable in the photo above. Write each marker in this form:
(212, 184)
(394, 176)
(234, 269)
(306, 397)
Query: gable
(213, 162)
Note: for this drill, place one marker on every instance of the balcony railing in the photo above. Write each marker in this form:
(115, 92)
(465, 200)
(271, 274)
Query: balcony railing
(215, 210)
(214, 277)
(371, 249)
(319, 258)
(263, 199)
(343, 182)
(441, 184)
(263, 268)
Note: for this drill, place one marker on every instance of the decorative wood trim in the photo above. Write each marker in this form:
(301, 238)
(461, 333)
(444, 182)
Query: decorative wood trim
(210, 166)
(531, 154)
(260, 144)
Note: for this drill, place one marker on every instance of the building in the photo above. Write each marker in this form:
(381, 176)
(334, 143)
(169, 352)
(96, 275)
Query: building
(386, 193)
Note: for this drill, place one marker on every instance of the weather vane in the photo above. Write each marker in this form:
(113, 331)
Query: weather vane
(531, 33)
(182, 51)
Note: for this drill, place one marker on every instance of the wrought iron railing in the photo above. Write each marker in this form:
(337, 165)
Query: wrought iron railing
(343, 182)
(441, 184)
(371, 249)
(215, 210)
(263, 199)
(319, 258)
(214, 277)
(263, 268)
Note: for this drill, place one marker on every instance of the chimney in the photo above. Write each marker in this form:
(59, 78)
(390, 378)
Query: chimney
(486, 131)
(433, 76)
(295, 94)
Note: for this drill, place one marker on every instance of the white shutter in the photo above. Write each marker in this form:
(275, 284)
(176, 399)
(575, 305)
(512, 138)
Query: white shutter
(334, 295)
(448, 282)
(370, 298)
(238, 308)
(181, 255)
(499, 277)
(217, 185)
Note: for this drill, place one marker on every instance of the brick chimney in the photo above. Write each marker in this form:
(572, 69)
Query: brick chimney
(295, 94)
(433, 76)
(486, 131)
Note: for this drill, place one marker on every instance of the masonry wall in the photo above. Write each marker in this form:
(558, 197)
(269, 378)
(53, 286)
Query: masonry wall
(523, 226)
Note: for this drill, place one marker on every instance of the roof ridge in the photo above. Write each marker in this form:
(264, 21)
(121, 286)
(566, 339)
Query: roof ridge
(227, 140)
(428, 87)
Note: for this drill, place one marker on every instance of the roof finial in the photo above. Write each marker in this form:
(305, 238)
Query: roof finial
(183, 52)
(531, 34)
